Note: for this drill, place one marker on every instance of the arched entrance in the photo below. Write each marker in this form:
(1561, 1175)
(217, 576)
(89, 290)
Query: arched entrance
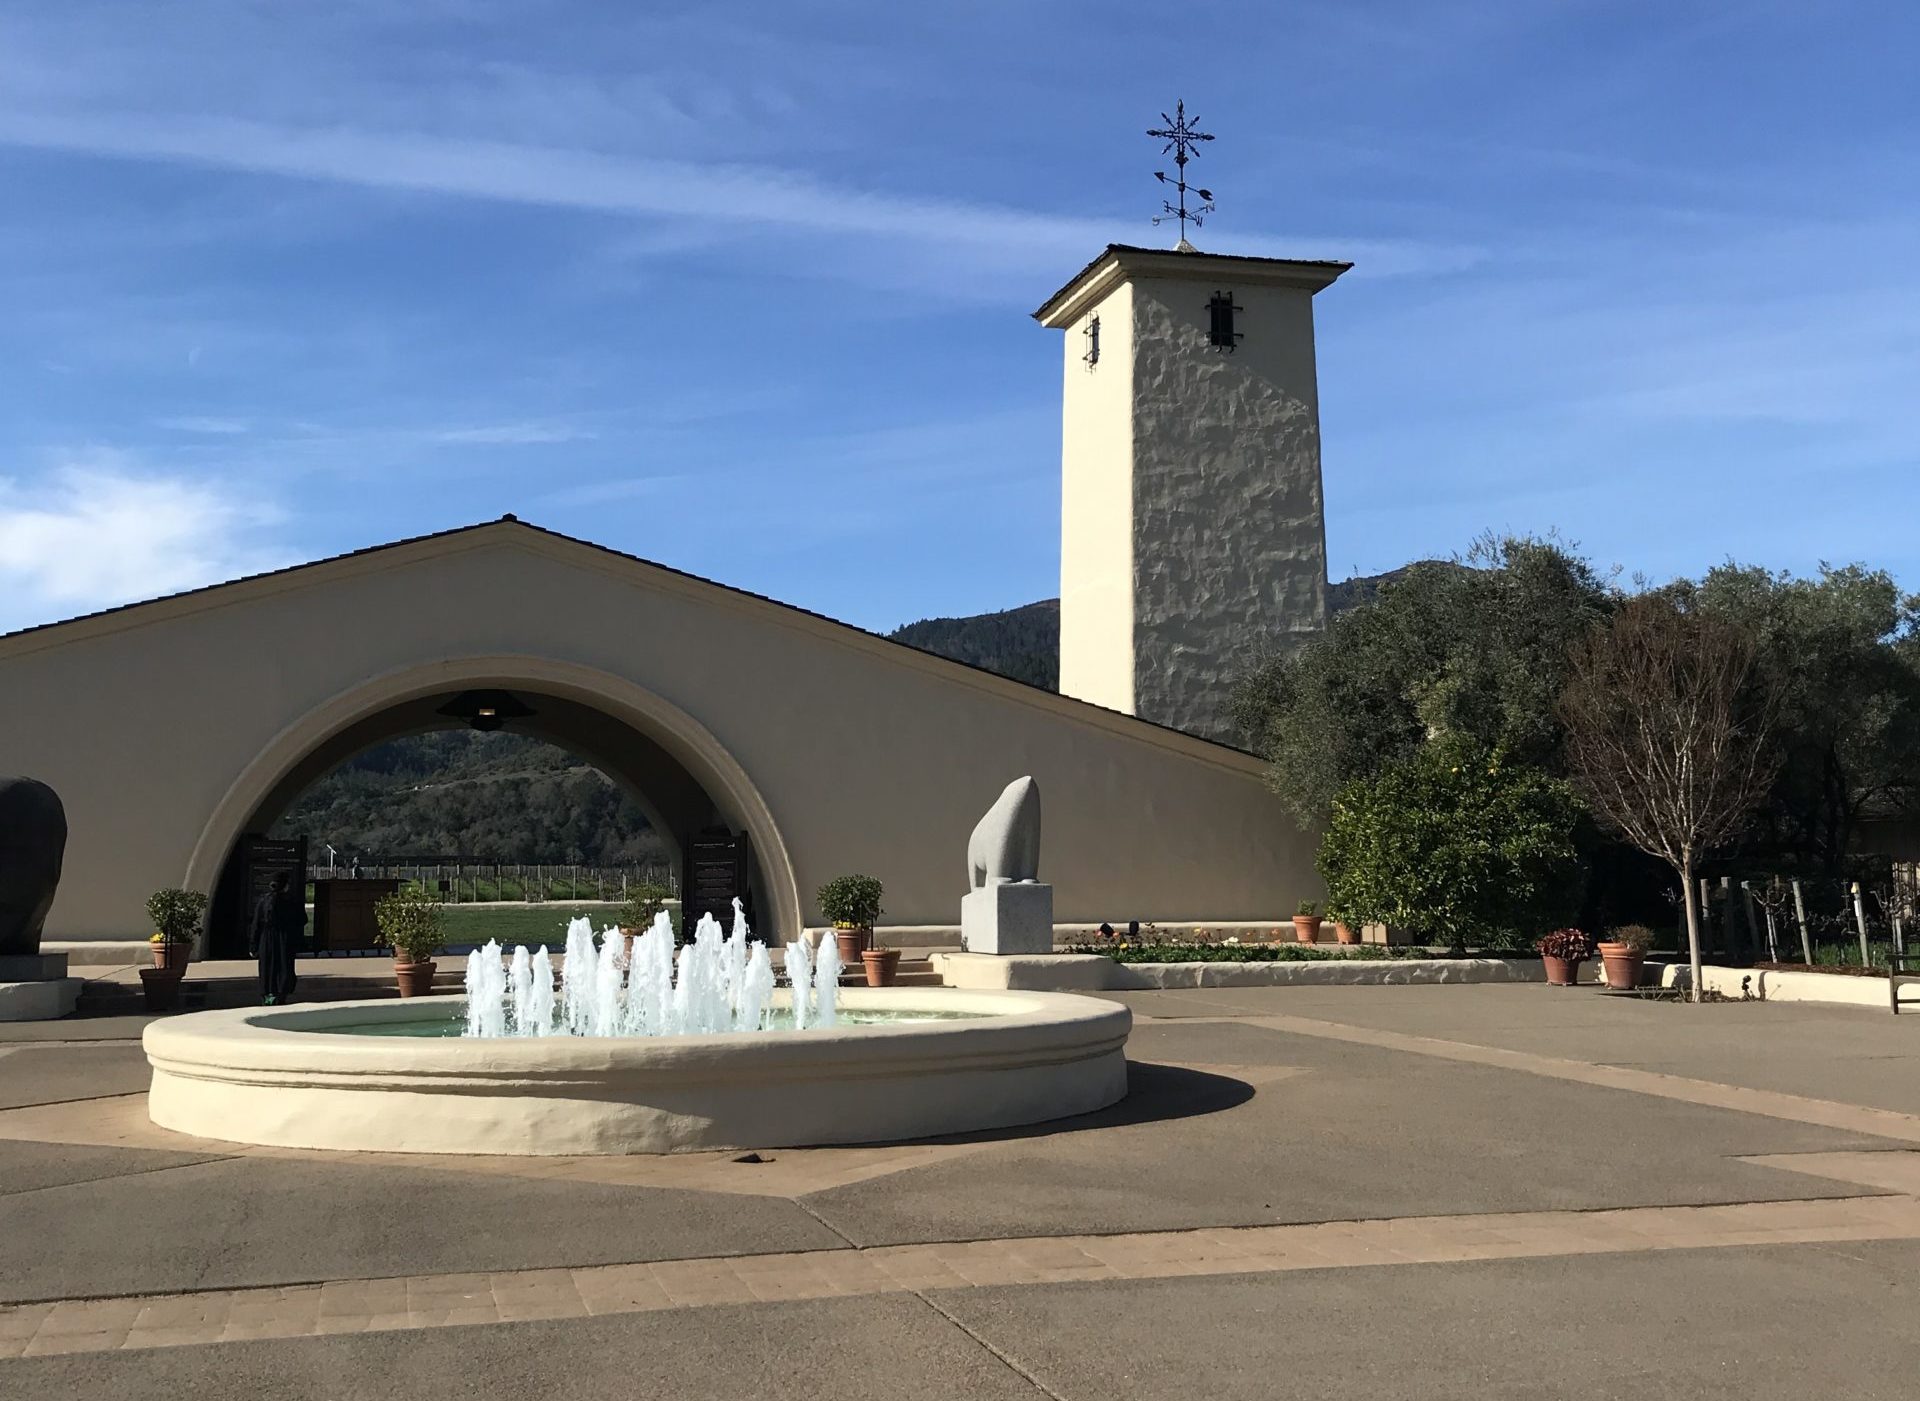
(684, 779)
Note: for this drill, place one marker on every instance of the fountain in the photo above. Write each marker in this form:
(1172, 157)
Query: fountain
(646, 1049)
(610, 988)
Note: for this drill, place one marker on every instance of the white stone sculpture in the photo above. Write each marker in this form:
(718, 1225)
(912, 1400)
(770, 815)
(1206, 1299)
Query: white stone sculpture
(1007, 910)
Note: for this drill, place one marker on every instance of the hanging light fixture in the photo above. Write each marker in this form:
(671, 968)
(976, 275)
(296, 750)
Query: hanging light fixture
(486, 711)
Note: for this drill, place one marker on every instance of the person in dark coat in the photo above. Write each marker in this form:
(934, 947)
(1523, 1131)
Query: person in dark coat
(279, 920)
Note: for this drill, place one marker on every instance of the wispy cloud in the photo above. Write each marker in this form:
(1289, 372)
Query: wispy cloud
(99, 531)
(219, 427)
(614, 489)
(513, 434)
(573, 178)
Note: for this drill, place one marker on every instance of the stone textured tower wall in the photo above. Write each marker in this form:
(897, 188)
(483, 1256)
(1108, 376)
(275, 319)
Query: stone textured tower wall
(1229, 535)
(1193, 539)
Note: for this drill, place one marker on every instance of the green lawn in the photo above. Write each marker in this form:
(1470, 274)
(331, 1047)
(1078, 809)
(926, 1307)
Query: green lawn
(530, 925)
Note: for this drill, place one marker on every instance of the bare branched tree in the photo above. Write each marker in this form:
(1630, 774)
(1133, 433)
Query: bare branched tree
(1669, 734)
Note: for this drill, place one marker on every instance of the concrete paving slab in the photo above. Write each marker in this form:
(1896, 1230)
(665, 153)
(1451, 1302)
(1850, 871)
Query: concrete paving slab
(893, 1348)
(1797, 1048)
(1757, 1324)
(53, 1074)
(1363, 1132)
(80, 1027)
(256, 1221)
(29, 1167)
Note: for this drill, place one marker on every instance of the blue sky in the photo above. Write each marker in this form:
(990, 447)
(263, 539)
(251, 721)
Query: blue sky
(745, 288)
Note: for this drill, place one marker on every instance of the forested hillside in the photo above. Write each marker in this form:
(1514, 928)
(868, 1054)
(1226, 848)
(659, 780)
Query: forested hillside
(458, 793)
(1023, 643)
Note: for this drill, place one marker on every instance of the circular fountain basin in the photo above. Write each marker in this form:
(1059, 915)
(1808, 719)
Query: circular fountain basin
(352, 1076)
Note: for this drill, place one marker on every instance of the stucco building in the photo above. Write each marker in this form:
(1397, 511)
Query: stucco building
(1192, 540)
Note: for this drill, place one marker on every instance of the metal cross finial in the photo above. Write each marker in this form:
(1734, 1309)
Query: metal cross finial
(1181, 137)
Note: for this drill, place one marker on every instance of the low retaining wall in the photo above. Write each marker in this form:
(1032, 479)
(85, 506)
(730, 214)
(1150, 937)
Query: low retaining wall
(1098, 973)
(1772, 985)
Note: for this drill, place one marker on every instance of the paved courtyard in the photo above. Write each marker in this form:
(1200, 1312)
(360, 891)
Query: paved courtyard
(1419, 1192)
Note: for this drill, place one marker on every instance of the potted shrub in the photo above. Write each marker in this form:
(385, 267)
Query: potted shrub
(1343, 930)
(409, 921)
(1563, 951)
(882, 965)
(1622, 955)
(176, 916)
(645, 899)
(1306, 923)
(851, 904)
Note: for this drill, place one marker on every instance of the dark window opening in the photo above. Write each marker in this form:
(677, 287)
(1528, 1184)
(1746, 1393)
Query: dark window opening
(1092, 357)
(1220, 332)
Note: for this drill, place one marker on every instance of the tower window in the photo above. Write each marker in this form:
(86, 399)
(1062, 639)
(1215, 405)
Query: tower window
(1220, 332)
(1092, 357)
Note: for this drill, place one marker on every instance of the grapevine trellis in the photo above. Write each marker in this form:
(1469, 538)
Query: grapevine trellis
(488, 882)
(1810, 920)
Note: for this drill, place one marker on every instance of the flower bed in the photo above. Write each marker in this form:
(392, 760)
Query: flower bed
(1845, 970)
(1128, 951)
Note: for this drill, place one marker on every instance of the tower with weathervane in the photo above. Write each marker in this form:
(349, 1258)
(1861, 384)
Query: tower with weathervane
(1193, 536)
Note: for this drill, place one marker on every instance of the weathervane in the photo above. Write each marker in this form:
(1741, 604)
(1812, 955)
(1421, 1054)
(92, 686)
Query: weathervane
(1181, 137)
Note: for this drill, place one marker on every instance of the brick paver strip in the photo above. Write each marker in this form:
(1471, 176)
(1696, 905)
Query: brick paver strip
(439, 1301)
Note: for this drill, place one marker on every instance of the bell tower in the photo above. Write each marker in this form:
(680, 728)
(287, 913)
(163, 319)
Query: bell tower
(1193, 536)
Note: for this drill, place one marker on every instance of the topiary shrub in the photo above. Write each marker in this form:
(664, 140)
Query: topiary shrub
(850, 902)
(645, 899)
(1456, 844)
(409, 921)
(176, 915)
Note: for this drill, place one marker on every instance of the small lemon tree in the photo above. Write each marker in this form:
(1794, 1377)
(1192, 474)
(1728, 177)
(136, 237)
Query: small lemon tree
(409, 921)
(645, 899)
(176, 915)
(851, 902)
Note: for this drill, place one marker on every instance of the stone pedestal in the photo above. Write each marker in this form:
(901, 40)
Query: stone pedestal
(1013, 917)
(34, 987)
(32, 967)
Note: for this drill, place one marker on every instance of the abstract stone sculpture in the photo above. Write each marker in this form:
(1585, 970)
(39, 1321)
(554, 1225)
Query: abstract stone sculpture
(1005, 845)
(1007, 910)
(33, 840)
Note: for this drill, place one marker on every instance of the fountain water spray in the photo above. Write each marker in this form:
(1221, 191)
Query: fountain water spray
(714, 983)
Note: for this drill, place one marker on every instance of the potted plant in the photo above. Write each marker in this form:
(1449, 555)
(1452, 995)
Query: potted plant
(1563, 951)
(176, 916)
(409, 921)
(1343, 930)
(1623, 954)
(851, 904)
(1306, 922)
(882, 965)
(645, 899)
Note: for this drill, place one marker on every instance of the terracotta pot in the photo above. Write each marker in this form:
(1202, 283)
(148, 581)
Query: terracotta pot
(1562, 972)
(1345, 934)
(171, 956)
(1622, 963)
(853, 944)
(1306, 928)
(415, 979)
(161, 988)
(882, 964)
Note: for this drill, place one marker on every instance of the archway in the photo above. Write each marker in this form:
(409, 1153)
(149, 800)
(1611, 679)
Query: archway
(679, 771)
